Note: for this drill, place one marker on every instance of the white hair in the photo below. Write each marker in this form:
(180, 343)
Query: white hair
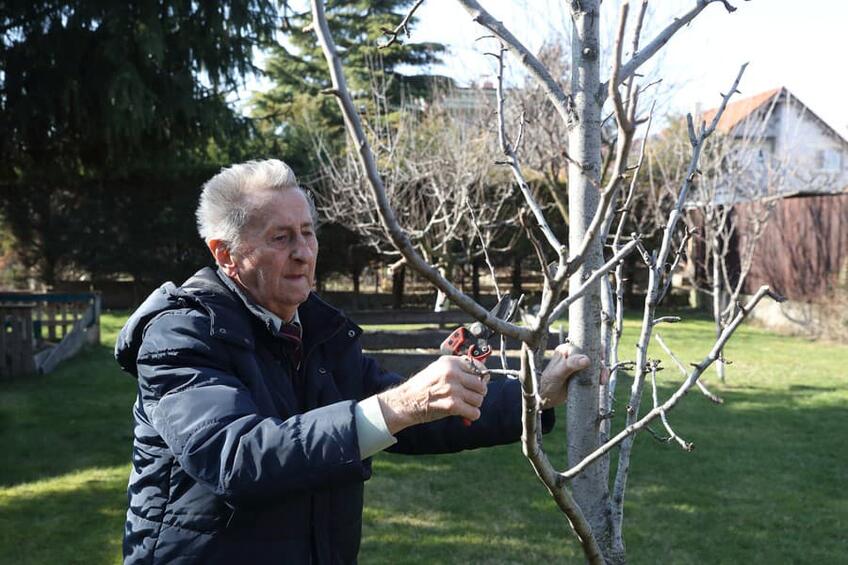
(223, 210)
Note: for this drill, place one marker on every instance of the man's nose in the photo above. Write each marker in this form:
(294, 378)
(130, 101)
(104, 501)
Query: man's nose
(301, 251)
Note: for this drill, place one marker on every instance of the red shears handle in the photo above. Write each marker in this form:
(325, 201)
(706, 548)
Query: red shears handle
(461, 342)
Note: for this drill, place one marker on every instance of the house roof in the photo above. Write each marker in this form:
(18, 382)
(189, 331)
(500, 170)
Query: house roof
(737, 111)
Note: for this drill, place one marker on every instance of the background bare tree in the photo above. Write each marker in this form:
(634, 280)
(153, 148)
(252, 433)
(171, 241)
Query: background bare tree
(435, 160)
(582, 491)
(732, 199)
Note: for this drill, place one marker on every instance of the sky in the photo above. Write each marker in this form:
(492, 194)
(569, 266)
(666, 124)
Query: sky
(802, 45)
(799, 44)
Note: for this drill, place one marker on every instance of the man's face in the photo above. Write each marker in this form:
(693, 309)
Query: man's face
(276, 259)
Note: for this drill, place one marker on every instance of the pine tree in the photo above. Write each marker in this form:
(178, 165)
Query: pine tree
(294, 112)
(97, 94)
(298, 71)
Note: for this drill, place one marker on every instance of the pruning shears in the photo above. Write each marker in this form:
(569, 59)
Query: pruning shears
(473, 341)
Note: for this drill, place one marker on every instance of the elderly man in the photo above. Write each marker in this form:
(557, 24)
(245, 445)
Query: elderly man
(257, 413)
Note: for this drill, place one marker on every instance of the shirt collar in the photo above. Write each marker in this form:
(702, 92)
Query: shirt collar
(257, 309)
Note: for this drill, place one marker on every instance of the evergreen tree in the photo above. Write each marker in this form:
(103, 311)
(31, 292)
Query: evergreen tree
(294, 112)
(298, 71)
(99, 97)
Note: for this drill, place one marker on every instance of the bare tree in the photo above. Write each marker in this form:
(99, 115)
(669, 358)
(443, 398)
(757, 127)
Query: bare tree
(435, 161)
(582, 491)
(742, 176)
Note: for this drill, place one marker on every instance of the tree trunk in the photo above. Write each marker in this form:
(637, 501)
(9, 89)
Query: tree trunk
(475, 279)
(516, 276)
(398, 278)
(590, 488)
(717, 306)
(354, 274)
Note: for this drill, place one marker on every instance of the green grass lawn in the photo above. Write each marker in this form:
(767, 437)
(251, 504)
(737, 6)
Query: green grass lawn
(766, 482)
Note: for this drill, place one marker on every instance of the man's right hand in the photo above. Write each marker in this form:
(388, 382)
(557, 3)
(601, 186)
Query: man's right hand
(450, 386)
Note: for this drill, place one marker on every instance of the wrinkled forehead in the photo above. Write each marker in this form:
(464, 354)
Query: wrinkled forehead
(287, 207)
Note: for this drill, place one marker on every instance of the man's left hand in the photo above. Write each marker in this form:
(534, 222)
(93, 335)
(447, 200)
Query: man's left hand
(553, 386)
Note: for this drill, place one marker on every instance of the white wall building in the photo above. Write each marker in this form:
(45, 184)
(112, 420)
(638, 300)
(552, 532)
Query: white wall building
(786, 147)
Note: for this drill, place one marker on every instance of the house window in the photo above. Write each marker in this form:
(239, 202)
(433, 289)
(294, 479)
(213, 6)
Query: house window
(829, 160)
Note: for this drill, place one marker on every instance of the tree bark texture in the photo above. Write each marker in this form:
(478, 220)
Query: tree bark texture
(590, 488)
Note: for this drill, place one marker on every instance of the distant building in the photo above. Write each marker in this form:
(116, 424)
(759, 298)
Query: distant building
(782, 129)
(803, 253)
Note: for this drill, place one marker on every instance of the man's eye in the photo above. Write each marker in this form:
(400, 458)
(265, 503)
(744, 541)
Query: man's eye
(281, 238)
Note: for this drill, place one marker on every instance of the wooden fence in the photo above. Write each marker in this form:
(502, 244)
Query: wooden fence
(16, 340)
(42, 329)
(408, 351)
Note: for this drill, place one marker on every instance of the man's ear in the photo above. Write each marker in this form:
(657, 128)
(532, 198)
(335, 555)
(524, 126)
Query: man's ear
(221, 252)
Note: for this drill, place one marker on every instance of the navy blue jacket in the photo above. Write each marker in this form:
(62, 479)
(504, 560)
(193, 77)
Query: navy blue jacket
(238, 456)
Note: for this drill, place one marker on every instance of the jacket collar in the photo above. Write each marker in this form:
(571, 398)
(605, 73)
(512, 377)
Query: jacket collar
(270, 320)
(231, 320)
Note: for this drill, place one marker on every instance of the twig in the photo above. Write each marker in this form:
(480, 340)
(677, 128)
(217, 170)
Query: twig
(686, 446)
(512, 160)
(701, 386)
(403, 26)
(691, 379)
(639, 58)
(485, 246)
(593, 278)
(387, 216)
(507, 372)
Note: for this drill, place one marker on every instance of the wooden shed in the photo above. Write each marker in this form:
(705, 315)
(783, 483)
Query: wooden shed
(803, 251)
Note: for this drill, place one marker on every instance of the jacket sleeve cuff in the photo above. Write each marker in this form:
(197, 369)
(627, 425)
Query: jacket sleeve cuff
(371, 430)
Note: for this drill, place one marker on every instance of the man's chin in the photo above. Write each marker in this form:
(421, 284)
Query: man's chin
(296, 291)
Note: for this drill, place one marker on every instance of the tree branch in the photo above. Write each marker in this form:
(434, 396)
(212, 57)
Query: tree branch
(515, 167)
(387, 216)
(561, 101)
(691, 379)
(685, 445)
(403, 26)
(531, 445)
(639, 58)
(593, 278)
(706, 392)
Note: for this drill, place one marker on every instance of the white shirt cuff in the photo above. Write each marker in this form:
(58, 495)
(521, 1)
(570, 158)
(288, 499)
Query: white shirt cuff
(371, 429)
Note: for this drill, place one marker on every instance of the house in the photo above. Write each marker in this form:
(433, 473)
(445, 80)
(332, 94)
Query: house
(781, 129)
(803, 250)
